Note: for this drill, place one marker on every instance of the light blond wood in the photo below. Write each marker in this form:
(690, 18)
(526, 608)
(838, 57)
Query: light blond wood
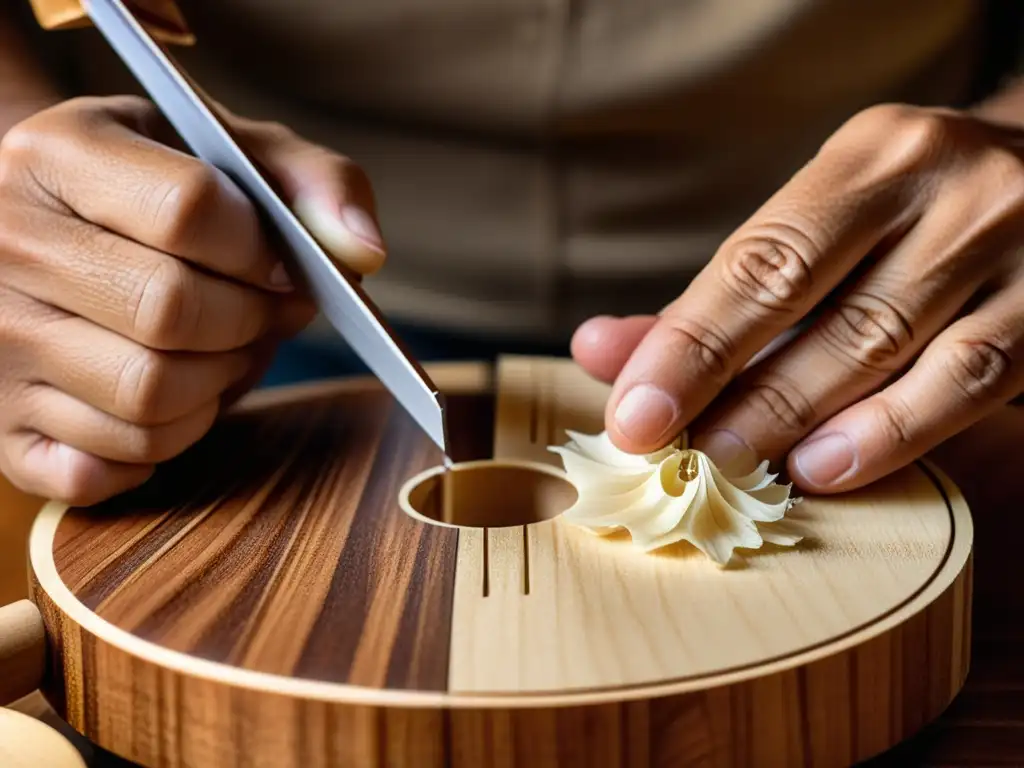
(821, 656)
(26, 742)
(628, 619)
(22, 650)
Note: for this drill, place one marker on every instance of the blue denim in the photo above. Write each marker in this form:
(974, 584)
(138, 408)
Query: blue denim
(302, 359)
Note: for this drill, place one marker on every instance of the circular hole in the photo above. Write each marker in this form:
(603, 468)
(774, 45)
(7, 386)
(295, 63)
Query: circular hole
(488, 494)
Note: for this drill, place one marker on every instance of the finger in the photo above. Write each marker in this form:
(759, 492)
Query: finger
(263, 358)
(51, 470)
(330, 194)
(108, 371)
(767, 276)
(57, 415)
(602, 345)
(973, 368)
(871, 330)
(127, 380)
(131, 289)
(91, 157)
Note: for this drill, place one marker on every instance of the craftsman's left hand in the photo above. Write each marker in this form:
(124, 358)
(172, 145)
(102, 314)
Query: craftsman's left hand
(902, 242)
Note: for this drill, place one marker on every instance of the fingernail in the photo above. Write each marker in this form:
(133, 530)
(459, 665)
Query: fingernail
(362, 225)
(349, 235)
(826, 460)
(645, 414)
(723, 446)
(279, 277)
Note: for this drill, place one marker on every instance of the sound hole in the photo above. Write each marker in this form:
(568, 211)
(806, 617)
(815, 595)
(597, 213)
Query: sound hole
(488, 494)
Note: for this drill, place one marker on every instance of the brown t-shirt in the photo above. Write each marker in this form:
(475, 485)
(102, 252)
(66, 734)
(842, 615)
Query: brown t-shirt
(540, 161)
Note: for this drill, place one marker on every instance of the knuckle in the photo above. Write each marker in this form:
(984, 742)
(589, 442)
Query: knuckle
(782, 403)
(918, 138)
(67, 119)
(16, 147)
(867, 332)
(894, 421)
(918, 132)
(141, 387)
(34, 134)
(700, 347)
(163, 311)
(28, 137)
(980, 370)
(769, 271)
(179, 205)
(891, 141)
(884, 119)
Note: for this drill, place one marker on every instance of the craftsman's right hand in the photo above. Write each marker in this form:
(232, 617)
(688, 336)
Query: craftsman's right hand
(138, 291)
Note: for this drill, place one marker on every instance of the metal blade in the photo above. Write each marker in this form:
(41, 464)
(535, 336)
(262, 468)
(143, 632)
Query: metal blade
(342, 300)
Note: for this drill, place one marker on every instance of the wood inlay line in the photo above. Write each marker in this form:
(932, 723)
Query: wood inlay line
(487, 563)
(526, 560)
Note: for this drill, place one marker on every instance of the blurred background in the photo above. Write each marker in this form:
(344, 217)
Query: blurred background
(537, 162)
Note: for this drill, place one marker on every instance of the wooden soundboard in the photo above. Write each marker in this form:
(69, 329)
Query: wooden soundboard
(281, 595)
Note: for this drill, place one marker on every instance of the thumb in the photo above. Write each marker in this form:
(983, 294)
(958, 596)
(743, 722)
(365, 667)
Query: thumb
(603, 344)
(330, 194)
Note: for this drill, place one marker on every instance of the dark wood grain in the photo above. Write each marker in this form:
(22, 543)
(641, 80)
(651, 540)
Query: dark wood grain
(227, 726)
(302, 563)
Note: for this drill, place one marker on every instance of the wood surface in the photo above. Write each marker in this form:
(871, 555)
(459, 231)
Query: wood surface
(176, 611)
(627, 619)
(26, 742)
(22, 651)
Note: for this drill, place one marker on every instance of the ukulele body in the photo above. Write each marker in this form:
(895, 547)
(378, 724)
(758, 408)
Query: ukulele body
(269, 599)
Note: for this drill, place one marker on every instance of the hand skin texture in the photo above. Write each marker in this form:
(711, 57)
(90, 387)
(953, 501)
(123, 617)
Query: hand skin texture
(899, 246)
(138, 292)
